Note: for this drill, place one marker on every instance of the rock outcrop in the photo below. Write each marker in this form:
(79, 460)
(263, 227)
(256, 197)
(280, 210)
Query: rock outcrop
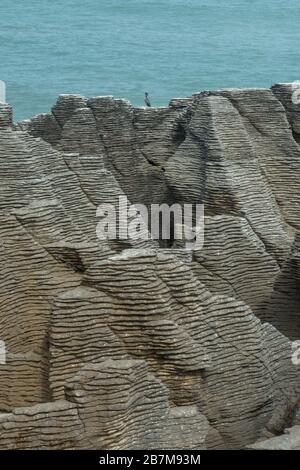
(290, 440)
(137, 343)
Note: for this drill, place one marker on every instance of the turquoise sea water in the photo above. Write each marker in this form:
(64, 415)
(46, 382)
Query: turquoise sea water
(169, 48)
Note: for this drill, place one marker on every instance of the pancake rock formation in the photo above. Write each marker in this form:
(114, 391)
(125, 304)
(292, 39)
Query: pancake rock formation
(139, 343)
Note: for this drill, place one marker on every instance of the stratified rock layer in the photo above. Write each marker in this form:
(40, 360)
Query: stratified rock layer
(139, 343)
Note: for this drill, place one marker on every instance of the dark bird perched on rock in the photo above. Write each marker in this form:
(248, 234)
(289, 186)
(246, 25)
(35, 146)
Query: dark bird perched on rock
(147, 101)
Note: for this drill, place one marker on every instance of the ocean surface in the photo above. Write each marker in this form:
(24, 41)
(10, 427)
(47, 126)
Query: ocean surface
(169, 48)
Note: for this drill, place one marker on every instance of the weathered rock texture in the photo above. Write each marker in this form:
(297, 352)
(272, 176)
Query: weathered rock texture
(129, 343)
(290, 440)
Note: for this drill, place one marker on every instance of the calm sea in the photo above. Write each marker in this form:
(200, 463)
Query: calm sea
(169, 48)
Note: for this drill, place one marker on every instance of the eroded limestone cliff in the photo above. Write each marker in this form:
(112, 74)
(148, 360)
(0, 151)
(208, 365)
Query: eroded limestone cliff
(127, 344)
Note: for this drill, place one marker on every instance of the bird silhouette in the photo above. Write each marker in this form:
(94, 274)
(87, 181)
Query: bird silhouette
(147, 101)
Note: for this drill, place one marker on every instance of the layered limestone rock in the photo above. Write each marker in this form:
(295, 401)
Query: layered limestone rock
(285, 296)
(290, 440)
(130, 343)
(110, 405)
(208, 350)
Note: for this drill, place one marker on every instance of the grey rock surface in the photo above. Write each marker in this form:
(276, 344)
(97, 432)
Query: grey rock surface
(132, 344)
(290, 440)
